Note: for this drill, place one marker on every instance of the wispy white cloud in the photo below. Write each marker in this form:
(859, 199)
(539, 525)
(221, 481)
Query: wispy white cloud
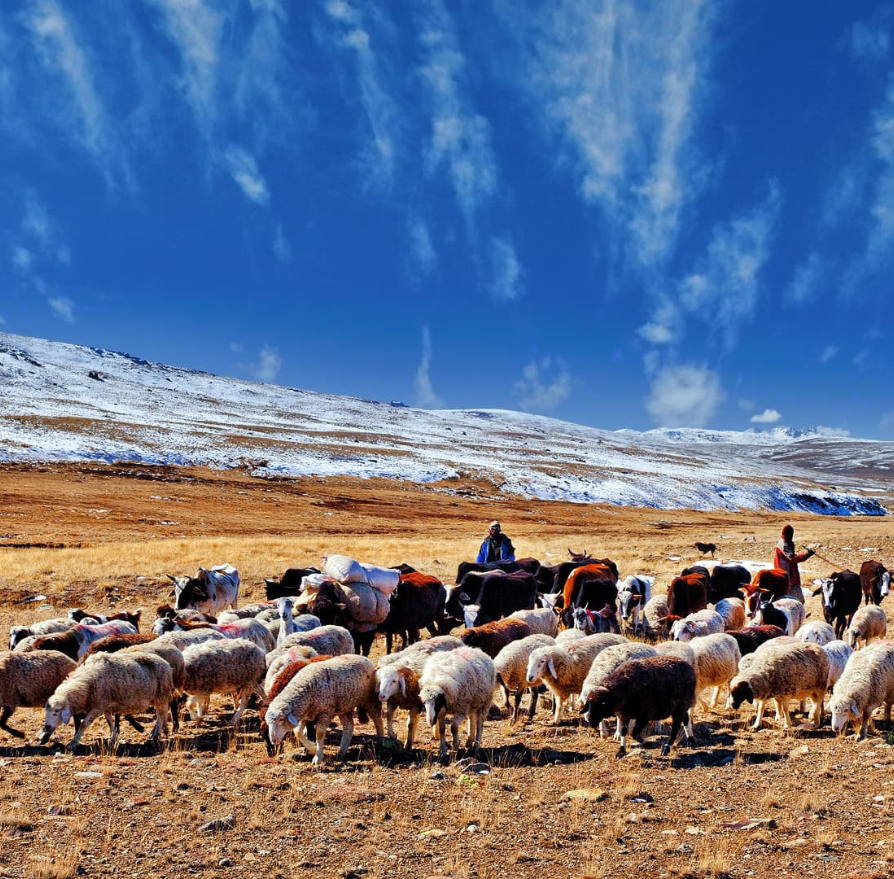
(63, 308)
(806, 282)
(244, 170)
(664, 326)
(545, 384)
(725, 287)
(424, 394)
(282, 249)
(768, 416)
(63, 55)
(383, 120)
(828, 353)
(823, 430)
(196, 30)
(460, 138)
(423, 256)
(268, 365)
(684, 396)
(619, 87)
(38, 249)
(506, 276)
(746, 405)
(870, 41)
(237, 347)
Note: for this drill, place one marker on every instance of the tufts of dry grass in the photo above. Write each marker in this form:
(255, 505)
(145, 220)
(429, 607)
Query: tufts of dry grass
(53, 865)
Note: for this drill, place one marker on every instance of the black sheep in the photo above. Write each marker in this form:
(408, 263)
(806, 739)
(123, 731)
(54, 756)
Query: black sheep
(643, 690)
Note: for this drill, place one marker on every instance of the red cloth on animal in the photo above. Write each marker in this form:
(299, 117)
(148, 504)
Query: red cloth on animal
(787, 560)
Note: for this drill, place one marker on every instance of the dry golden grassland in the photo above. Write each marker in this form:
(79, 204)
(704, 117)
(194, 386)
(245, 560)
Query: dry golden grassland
(556, 801)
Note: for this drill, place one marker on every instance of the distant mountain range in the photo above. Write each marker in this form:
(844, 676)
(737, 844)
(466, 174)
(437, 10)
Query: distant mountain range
(61, 402)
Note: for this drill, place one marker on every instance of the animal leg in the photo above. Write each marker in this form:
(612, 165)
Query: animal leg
(533, 706)
(519, 692)
(442, 735)
(676, 723)
(88, 719)
(454, 729)
(4, 717)
(412, 721)
(557, 713)
(301, 733)
(347, 720)
(389, 721)
(114, 721)
(479, 732)
(638, 724)
(322, 725)
(243, 696)
(758, 714)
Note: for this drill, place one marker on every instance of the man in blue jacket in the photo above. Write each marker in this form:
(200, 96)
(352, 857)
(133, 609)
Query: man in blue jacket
(497, 547)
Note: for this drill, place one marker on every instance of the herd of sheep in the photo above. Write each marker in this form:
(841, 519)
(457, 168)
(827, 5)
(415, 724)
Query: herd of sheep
(79, 668)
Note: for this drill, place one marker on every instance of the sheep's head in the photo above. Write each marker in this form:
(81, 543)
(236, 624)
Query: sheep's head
(741, 692)
(843, 710)
(598, 706)
(536, 664)
(57, 713)
(389, 682)
(278, 726)
(16, 634)
(683, 630)
(435, 706)
(162, 625)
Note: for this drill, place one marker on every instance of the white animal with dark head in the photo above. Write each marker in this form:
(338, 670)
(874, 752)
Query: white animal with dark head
(211, 590)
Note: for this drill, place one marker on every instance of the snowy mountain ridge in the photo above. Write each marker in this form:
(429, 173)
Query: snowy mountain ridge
(63, 402)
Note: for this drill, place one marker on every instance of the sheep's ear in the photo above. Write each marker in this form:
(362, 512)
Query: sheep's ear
(551, 666)
(403, 686)
(65, 714)
(291, 718)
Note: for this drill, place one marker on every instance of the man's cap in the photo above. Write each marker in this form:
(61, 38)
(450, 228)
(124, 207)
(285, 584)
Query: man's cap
(494, 524)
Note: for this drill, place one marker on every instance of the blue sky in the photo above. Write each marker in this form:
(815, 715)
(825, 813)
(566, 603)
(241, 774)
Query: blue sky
(621, 214)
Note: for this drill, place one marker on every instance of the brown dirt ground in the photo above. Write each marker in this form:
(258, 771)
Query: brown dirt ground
(736, 804)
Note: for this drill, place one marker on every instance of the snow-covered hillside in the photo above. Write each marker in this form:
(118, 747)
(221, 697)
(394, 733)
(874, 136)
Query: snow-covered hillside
(62, 402)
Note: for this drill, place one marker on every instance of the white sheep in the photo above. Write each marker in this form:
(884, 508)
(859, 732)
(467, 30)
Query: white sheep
(36, 630)
(460, 683)
(867, 682)
(234, 666)
(111, 684)
(839, 653)
(319, 692)
(248, 629)
(605, 663)
(732, 610)
(655, 618)
(816, 632)
(397, 680)
(681, 649)
(27, 680)
(564, 666)
(542, 620)
(697, 625)
(790, 670)
(328, 640)
(867, 624)
(568, 635)
(512, 664)
(717, 659)
(183, 640)
(291, 655)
